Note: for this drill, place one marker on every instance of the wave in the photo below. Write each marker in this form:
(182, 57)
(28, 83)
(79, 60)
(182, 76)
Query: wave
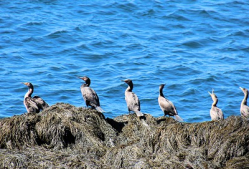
(57, 33)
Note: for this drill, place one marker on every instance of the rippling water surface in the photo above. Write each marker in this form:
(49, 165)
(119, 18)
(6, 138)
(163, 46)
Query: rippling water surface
(192, 46)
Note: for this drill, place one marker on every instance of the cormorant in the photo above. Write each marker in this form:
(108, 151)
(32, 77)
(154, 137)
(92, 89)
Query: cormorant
(215, 112)
(244, 109)
(89, 95)
(167, 106)
(131, 99)
(35, 104)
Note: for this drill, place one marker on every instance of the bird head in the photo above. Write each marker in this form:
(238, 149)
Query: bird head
(27, 84)
(86, 79)
(213, 95)
(162, 86)
(244, 90)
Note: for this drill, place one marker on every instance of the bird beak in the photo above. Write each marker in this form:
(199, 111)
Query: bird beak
(25, 83)
(241, 88)
(210, 93)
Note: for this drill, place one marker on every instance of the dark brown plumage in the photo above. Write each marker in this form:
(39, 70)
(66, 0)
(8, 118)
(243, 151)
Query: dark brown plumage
(89, 95)
(35, 104)
(215, 112)
(167, 106)
(244, 109)
(131, 99)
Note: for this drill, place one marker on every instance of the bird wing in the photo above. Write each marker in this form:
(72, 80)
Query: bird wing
(40, 102)
(216, 113)
(167, 106)
(31, 105)
(90, 96)
(132, 101)
(220, 113)
(244, 111)
(213, 114)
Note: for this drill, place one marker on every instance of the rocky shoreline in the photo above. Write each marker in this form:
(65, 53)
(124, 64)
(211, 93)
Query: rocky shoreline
(64, 136)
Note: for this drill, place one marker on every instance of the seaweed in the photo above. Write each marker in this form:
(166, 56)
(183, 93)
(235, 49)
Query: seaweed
(65, 136)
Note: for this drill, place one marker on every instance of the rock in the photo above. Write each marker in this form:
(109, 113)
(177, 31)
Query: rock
(64, 136)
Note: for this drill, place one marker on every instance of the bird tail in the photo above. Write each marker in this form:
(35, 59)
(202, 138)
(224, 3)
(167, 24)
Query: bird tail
(99, 109)
(45, 105)
(178, 118)
(139, 113)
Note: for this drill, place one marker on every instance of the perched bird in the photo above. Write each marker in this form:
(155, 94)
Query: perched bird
(167, 106)
(131, 99)
(244, 109)
(89, 95)
(215, 112)
(35, 104)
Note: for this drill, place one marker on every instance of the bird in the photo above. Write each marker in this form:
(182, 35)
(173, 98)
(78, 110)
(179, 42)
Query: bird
(131, 99)
(33, 104)
(167, 106)
(244, 109)
(215, 112)
(89, 95)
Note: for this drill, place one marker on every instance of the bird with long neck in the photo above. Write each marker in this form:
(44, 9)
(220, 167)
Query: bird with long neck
(215, 112)
(167, 106)
(89, 95)
(244, 109)
(132, 101)
(30, 89)
(35, 104)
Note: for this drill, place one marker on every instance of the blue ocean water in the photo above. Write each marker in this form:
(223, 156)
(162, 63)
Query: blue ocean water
(192, 46)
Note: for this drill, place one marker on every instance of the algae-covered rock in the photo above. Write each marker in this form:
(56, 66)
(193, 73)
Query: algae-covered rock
(64, 136)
